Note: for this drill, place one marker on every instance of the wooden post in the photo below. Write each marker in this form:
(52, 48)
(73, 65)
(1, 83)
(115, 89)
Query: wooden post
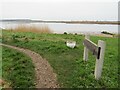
(85, 57)
(99, 62)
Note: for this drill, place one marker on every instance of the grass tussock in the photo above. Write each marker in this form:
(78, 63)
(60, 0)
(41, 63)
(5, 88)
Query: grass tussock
(34, 29)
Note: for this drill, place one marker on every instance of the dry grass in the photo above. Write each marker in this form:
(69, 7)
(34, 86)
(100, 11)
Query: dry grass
(41, 29)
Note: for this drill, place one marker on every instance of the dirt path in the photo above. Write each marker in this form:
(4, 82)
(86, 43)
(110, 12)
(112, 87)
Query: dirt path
(45, 77)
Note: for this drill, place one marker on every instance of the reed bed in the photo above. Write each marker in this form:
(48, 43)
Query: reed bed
(34, 29)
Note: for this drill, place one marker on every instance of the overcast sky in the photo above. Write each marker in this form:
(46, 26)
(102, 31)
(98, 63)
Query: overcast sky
(68, 10)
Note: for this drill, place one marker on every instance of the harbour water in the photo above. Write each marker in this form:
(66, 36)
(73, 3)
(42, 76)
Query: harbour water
(69, 28)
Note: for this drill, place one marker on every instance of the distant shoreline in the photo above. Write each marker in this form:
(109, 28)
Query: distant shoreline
(67, 22)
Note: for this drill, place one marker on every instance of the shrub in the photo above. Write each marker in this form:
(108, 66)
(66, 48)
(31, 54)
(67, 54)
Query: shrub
(105, 32)
(65, 32)
(75, 33)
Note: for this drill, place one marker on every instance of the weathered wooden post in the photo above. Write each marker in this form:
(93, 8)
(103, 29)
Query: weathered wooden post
(85, 57)
(98, 51)
(99, 62)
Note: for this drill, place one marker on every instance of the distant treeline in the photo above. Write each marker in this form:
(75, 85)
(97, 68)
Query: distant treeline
(67, 22)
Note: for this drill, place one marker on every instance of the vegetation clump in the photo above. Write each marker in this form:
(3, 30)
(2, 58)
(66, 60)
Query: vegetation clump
(14, 38)
(105, 32)
(65, 32)
(34, 29)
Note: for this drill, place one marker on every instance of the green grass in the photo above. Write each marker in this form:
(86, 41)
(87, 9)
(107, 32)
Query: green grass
(0, 64)
(68, 63)
(17, 69)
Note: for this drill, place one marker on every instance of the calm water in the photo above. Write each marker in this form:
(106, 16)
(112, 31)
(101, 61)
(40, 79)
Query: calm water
(70, 28)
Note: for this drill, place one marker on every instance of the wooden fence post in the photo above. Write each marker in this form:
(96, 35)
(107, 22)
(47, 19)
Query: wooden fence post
(99, 62)
(85, 57)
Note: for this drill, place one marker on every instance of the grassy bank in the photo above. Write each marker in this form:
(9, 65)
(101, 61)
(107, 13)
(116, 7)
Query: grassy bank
(0, 65)
(17, 69)
(68, 63)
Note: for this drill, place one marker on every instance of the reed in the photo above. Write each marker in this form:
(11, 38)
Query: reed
(26, 28)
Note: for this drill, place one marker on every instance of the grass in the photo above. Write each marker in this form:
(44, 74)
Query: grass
(0, 57)
(17, 71)
(0, 64)
(0, 61)
(68, 64)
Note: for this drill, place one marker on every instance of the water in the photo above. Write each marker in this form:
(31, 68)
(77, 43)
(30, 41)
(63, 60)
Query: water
(69, 28)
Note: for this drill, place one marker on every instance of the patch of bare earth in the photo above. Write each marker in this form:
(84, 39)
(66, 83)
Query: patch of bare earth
(4, 84)
(45, 77)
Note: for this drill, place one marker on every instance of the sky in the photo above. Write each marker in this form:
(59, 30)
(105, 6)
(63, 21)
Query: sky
(59, 9)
